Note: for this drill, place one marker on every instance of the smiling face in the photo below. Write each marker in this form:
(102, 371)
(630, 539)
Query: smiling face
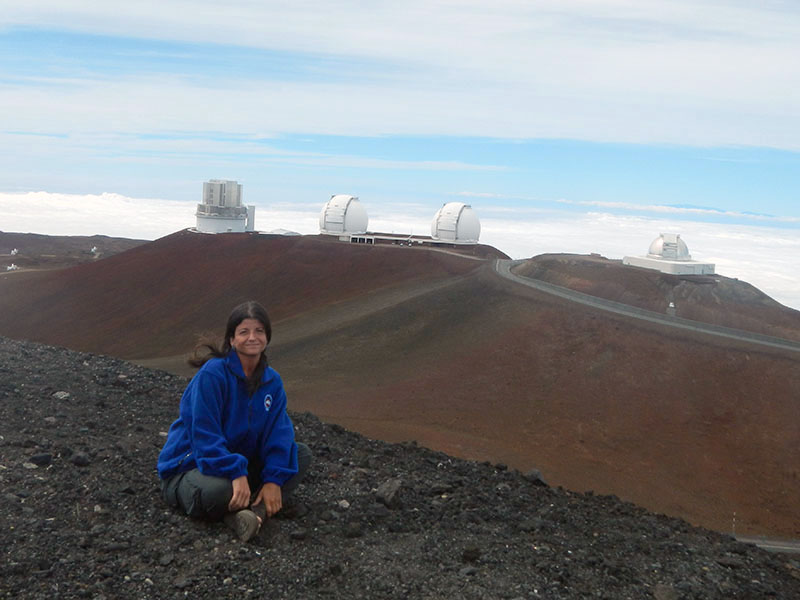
(249, 338)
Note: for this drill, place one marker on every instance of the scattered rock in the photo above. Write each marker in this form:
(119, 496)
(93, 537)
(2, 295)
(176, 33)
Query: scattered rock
(471, 554)
(389, 493)
(166, 559)
(353, 530)
(398, 526)
(328, 515)
(116, 546)
(535, 477)
(294, 510)
(731, 561)
(80, 459)
(182, 583)
(664, 592)
(42, 459)
(378, 511)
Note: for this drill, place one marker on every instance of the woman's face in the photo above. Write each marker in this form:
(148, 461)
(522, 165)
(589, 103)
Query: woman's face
(249, 338)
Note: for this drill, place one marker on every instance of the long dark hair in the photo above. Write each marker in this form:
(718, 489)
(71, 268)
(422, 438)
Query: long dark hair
(209, 348)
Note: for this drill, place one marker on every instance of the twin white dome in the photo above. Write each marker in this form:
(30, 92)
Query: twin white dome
(343, 214)
(455, 222)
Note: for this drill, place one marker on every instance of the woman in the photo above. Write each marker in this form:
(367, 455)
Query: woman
(232, 454)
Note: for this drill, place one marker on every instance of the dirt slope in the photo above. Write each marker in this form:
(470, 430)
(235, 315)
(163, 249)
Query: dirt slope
(406, 343)
(680, 423)
(155, 299)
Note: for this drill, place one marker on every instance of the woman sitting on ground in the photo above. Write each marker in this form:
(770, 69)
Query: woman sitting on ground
(231, 454)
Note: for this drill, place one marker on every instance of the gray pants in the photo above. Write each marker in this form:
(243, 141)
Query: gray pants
(206, 496)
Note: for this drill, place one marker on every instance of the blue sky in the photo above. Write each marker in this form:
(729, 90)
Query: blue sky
(590, 118)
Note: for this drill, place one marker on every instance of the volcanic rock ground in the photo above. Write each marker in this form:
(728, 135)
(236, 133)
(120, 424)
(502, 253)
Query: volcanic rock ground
(82, 516)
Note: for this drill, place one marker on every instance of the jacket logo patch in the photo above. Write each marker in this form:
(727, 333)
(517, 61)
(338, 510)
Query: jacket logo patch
(267, 402)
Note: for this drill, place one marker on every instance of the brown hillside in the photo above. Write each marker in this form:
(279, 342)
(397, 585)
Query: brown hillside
(680, 423)
(707, 298)
(407, 343)
(155, 299)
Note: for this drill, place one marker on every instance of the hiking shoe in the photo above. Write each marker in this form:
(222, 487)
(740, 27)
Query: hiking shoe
(244, 522)
(260, 510)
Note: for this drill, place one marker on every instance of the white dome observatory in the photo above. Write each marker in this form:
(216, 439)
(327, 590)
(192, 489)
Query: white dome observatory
(343, 214)
(456, 223)
(668, 253)
(669, 246)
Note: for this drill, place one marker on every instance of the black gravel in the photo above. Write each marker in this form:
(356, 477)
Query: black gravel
(81, 517)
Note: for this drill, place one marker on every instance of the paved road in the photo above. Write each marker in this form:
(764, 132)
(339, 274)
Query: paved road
(503, 268)
(772, 545)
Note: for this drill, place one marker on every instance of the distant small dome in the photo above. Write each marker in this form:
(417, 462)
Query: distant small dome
(669, 246)
(343, 214)
(456, 222)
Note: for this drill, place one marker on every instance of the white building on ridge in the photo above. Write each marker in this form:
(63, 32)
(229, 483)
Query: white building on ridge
(668, 253)
(456, 223)
(221, 210)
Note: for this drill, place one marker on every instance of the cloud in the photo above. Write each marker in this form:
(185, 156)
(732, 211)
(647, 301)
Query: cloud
(697, 73)
(207, 145)
(688, 211)
(102, 214)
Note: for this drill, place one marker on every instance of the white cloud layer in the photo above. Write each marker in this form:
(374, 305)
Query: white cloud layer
(763, 256)
(101, 214)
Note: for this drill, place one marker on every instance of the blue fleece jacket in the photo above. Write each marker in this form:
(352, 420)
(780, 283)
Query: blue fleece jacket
(221, 428)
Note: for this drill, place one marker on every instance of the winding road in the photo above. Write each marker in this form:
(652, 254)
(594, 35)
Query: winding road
(503, 268)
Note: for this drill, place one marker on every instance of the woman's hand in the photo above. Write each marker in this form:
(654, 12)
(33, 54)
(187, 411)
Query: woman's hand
(241, 494)
(270, 495)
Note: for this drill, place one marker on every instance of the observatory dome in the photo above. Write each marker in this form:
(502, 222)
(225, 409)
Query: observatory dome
(343, 214)
(669, 246)
(456, 222)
